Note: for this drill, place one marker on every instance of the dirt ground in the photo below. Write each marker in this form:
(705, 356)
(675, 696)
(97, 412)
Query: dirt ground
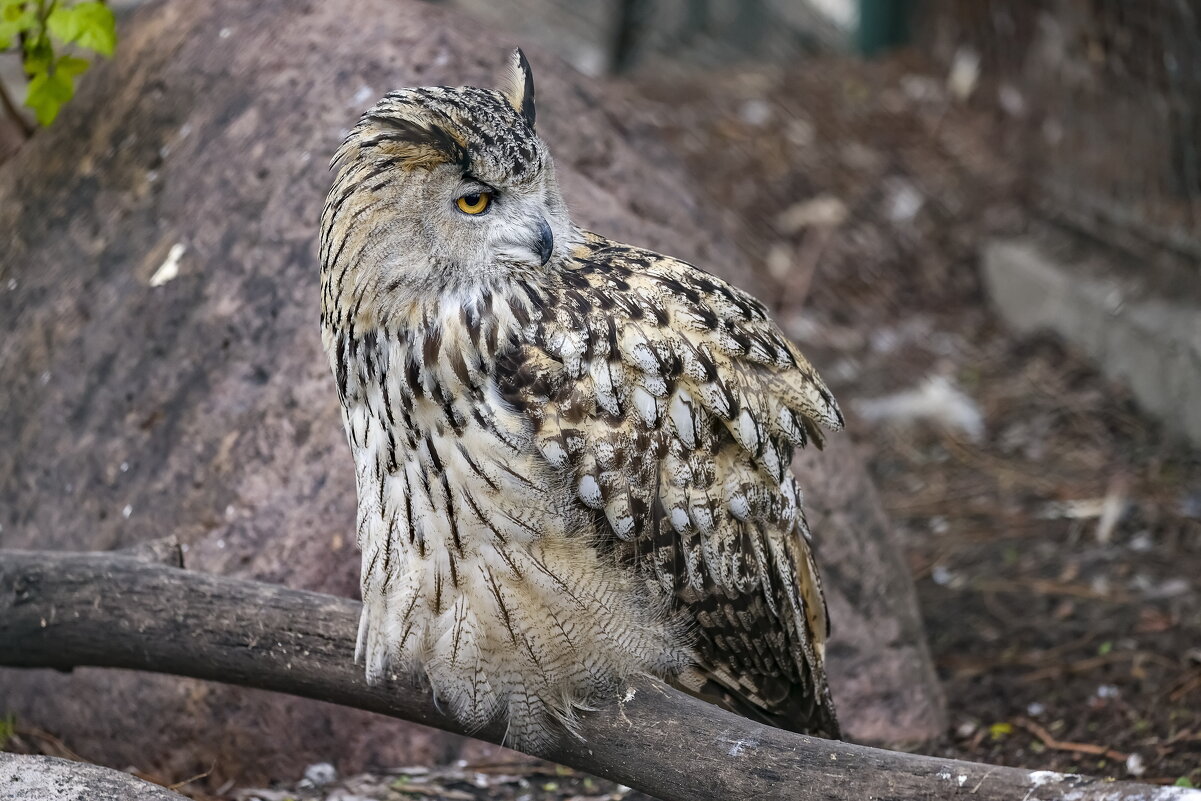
(1053, 530)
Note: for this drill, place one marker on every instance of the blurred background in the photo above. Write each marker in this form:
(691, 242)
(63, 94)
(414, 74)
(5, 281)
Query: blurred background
(982, 220)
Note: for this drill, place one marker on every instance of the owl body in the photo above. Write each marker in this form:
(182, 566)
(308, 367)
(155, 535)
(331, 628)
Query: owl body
(572, 456)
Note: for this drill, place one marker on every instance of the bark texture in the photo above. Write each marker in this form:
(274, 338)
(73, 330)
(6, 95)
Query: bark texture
(163, 371)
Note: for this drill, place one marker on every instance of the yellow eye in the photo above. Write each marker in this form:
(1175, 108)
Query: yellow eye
(474, 203)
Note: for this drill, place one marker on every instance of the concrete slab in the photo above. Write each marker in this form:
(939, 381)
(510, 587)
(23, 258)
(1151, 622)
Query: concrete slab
(1146, 339)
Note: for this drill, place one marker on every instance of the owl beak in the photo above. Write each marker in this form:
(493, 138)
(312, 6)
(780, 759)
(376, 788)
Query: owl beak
(545, 243)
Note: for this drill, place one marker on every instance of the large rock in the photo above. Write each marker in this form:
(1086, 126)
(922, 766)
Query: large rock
(163, 372)
(41, 778)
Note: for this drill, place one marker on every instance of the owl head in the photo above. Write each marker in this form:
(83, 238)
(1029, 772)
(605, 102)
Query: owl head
(442, 190)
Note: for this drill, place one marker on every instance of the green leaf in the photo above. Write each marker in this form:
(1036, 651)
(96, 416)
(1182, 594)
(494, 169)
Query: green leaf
(47, 93)
(89, 25)
(13, 10)
(39, 55)
(1184, 781)
(15, 19)
(65, 23)
(71, 66)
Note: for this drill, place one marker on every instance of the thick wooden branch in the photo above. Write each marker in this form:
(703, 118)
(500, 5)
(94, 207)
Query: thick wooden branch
(63, 610)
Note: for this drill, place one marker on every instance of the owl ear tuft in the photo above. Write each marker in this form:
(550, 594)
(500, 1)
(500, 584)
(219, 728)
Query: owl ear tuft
(518, 86)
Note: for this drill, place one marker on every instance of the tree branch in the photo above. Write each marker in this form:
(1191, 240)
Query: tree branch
(63, 610)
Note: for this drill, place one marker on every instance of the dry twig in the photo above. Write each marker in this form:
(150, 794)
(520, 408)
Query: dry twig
(1063, 745)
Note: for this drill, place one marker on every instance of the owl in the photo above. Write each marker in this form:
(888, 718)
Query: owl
(572, 455)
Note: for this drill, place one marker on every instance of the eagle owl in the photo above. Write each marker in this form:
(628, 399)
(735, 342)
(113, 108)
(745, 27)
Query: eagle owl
(572, 455)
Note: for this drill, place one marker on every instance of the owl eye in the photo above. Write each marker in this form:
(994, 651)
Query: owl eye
(474, 203)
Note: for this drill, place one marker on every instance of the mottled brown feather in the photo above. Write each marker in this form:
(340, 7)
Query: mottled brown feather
(670, 330)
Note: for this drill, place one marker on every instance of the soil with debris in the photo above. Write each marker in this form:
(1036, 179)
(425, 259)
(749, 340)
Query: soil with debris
(517, 781)
(1053, 530)
(523, 779)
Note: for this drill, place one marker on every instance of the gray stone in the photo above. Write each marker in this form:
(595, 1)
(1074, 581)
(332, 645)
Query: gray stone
(163, 372)
(1137, 335)
(41, 778)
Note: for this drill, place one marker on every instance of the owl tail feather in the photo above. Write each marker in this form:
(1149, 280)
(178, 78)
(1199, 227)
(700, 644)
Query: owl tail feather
(371, 647)
(792, 708)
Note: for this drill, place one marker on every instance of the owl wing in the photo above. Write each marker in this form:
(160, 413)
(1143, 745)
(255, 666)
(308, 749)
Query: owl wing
(674, 404)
